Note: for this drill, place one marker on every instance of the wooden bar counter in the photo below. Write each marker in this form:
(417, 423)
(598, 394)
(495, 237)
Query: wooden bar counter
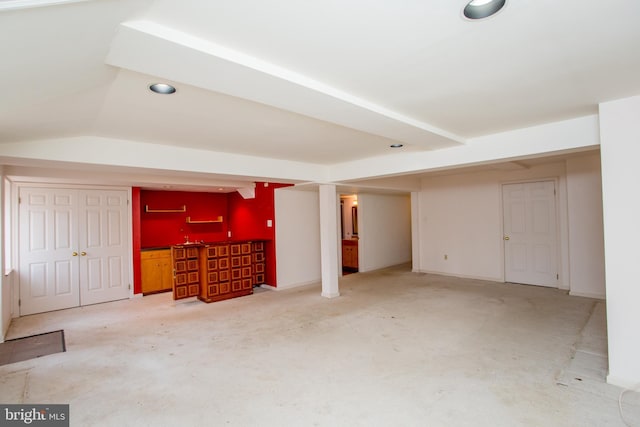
(217, 271)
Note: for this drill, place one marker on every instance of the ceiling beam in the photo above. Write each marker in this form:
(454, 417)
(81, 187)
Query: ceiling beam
(157, 50)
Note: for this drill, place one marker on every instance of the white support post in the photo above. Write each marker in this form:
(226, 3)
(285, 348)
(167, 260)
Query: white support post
(415, 231)
(620, 150)
(329, 240)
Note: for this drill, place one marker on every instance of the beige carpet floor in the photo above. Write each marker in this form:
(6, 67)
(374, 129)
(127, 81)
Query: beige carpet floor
(395, 349)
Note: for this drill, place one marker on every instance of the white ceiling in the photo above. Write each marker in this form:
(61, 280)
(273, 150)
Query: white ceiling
(322, 83)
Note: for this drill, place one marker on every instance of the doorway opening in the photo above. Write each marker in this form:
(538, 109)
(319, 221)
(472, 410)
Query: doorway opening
(349, 233)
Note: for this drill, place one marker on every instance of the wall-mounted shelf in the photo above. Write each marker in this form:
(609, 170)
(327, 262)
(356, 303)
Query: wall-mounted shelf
(203, 221)
(180, 209)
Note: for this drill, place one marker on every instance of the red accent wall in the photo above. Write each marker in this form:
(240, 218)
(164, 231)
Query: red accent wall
(161, 229)
(248, 220)
(135, 231)
(245, 218)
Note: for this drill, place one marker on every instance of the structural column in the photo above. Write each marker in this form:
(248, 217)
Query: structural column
(620, 151)
(329, 240)
(415, 231)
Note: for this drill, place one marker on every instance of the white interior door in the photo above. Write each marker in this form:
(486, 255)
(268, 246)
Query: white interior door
(104, 266)
(530, 233)
(72, 248)
(48, 269)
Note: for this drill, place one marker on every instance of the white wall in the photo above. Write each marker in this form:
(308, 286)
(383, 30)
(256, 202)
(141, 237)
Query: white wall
(620, 150)
(586, 239)
(5, 279)
(297, 220)
(461, 216)
(384, 230)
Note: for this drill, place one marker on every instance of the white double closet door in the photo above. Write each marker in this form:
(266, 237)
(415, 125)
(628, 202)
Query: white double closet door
(73, 247)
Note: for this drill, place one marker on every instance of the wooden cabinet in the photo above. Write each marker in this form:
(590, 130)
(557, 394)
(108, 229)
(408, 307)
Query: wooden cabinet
(214, 264)
(217, 271)
(156, 271)
(186, 271)
(350, 255)
(258, 263)
(230, 270)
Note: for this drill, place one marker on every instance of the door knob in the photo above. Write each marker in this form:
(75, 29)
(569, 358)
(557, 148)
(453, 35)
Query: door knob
(83, 253)
(75, 254)
(506, 237)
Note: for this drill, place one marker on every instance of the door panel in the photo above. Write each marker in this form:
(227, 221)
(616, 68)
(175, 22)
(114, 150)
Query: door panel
(530, 233)
(103, 235)
(47, 267)
(72, 248)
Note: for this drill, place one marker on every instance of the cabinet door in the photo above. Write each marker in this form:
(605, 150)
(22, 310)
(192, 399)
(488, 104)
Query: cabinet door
(152, 275)
(349, 255)
(346, 256)
(192, 252)
(211, 252)
(224, 275)
(156, 270)
(212, 290)
(180, 292)
(193, 289)
(167, 273)
(179, 253)
(223, 250)
(181, 266)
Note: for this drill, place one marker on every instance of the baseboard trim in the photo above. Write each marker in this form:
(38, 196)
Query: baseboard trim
(331, 294)
(461, 276)
(588, 295)
(626, 384)
(290, 286)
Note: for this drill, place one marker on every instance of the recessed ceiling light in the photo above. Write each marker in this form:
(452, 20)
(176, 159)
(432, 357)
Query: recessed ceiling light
(480, 9)
(162, 88)
(396, 145)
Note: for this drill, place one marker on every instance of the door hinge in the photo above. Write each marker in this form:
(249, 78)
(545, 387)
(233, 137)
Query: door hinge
(19, 200)
(554, 191)
(557, 277)
(19, 302)
(129, 286)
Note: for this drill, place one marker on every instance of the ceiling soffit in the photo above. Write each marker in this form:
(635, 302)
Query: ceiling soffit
(201, 63)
